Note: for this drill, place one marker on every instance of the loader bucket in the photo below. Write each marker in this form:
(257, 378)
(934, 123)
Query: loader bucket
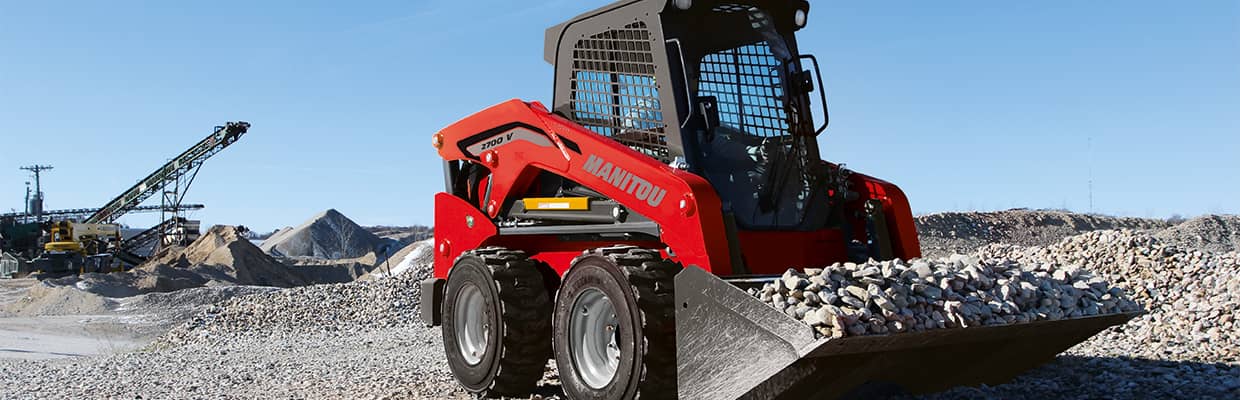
(730, 345)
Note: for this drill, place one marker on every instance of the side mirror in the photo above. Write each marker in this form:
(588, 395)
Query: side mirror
(805, 81)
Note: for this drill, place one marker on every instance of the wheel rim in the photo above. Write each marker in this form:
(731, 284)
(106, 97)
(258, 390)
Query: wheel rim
(472, 330)
(593, 330)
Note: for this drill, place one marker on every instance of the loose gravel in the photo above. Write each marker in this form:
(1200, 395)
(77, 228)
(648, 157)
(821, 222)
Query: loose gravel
(363, 339)
(357, 340)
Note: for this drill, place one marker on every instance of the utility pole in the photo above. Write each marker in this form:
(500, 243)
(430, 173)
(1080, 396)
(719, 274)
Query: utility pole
(36, 206)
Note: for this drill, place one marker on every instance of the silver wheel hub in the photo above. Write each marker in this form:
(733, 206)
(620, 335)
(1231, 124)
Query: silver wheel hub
(470, 323)
(592, 331)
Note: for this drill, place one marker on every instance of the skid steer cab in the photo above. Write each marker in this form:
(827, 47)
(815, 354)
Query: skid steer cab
(616, 230)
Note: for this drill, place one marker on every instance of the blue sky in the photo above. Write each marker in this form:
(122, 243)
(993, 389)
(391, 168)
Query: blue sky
(965, 104)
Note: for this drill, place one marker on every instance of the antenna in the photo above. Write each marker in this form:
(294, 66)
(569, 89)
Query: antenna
(1089, 150)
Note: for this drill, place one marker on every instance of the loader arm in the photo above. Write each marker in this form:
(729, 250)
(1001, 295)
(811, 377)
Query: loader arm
(516, 141)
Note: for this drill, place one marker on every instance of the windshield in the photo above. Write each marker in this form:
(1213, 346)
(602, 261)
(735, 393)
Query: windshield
(753, 158)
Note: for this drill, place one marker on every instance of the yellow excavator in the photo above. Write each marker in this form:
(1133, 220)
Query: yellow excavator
(74, 247)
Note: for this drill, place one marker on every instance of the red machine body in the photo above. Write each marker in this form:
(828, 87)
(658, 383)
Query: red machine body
(526, 139)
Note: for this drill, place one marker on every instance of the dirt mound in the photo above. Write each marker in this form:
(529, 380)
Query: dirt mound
(48, 298)
(1216, 233)
(962, 232)
(328, 235)
(221, 257)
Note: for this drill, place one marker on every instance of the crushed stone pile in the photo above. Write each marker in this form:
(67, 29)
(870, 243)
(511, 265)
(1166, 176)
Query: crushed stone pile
(328, 235)
(224, 255)
(1192, 296)
(382, 303)
(849, 299)
(1217, 233)
(943, 234)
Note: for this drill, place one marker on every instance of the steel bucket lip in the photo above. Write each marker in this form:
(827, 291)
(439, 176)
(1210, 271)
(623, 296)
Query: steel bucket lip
(827, 347)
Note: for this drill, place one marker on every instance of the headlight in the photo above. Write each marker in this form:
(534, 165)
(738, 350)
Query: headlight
(683, 4)
(799, 18)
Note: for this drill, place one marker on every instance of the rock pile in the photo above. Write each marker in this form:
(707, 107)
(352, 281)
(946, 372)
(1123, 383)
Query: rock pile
(328, 235)
(1218, 233)
(961, 291)
(946, 233)
(224, 255)
(361, 305)
(1193, 296)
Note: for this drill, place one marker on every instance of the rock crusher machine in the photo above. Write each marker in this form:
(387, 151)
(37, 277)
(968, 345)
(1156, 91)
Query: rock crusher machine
(679, 165)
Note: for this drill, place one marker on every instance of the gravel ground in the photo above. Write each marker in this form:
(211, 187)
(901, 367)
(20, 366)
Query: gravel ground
(355, 340)
(358, 340)
(363, 340)
(1112, 377)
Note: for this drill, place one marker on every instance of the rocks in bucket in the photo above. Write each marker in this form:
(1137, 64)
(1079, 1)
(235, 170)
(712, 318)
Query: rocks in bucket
(887, 297)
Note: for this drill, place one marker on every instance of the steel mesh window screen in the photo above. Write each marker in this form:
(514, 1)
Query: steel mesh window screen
(614, 92)
(746, 85)
(731, 8)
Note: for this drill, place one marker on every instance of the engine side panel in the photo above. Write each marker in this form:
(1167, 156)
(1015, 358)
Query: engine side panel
(517, 140)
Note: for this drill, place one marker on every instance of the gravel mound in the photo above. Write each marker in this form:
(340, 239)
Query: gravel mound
(220, 257)
(1192, 297)
(947, 233)
(320, 308)
(1219, 233)
(224, 255)
(328, 235)
(187, 299)
(47, 299)
(959, 292)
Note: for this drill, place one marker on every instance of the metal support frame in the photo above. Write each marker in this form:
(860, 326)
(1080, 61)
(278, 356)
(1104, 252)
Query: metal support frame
(171, 212)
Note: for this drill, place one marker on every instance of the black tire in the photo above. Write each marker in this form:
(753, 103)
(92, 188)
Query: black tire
(517, 318)
(639, 284)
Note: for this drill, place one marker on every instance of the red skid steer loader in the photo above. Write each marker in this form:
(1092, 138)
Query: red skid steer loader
(618, 230)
